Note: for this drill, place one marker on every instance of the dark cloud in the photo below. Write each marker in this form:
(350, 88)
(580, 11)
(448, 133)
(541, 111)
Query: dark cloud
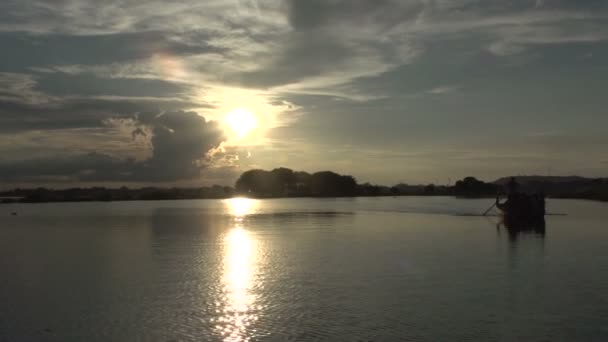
(503, 99)
(77, 113)
(67, 168)
(315, 14)
(23, 50)
(501, 7)
(87, 84)
(57, 101)
(302, 56)
(338, 38)
(179, 141)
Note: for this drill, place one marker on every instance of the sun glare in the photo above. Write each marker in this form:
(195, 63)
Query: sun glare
(238, 307)
(241, 122)
(240, 207)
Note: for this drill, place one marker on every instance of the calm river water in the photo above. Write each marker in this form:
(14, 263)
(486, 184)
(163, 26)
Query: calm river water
(357, 269)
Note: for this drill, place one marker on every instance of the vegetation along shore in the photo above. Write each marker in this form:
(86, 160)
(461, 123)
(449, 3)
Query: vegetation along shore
(284, 182)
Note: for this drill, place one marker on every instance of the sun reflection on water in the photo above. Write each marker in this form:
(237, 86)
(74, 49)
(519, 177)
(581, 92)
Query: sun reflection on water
(240, 207)
(240, 259)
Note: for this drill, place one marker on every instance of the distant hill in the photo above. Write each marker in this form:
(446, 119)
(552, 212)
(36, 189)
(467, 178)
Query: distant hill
(563, 186)
(543, 179)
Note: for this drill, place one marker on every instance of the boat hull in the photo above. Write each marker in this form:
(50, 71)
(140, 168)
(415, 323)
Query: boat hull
(523, 208)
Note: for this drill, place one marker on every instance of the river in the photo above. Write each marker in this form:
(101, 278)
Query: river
(348, 269)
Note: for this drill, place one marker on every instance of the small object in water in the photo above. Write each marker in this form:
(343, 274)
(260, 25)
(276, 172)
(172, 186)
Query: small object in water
(520, 206)
(48, 330)
(523, 207)
(14, 213)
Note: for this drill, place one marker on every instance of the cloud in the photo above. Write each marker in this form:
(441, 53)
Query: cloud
(20, 88)
(50, 102)
(180, 141)
(93, 17)
(179, 144)
(114, 138)
(330, 43)
(78, 112)
(443, 89)
(315, 14)
(22, 50)
(562, 143)
(298, 46)
(348, 69)
(333, 44)
(85, 84)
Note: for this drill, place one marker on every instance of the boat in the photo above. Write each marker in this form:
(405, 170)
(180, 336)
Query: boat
(522, 208)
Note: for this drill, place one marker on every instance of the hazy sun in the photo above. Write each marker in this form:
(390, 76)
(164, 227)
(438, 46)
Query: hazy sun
(241, 121)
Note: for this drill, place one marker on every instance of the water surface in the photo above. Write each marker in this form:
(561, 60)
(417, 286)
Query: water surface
(354, 269)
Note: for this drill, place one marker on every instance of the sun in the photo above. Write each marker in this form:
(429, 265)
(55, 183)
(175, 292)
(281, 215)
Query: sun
(241, 122)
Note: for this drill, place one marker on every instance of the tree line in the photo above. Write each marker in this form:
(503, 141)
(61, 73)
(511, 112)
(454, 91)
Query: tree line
(284, 182)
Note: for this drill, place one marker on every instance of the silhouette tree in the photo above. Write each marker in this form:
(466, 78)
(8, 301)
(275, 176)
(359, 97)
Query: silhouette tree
(472, 187)
(285, 182)
(327, 183)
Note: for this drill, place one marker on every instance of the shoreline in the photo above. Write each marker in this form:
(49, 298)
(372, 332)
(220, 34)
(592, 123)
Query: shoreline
(276, 197)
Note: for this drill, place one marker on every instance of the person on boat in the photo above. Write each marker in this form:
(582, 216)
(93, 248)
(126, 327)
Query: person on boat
(511, 192)
(512, 186)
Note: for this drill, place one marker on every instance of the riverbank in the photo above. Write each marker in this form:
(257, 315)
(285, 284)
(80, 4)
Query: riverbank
(286, 183)
(59, 199)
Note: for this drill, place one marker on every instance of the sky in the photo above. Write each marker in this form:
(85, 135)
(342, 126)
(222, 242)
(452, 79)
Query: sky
(193, 92)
